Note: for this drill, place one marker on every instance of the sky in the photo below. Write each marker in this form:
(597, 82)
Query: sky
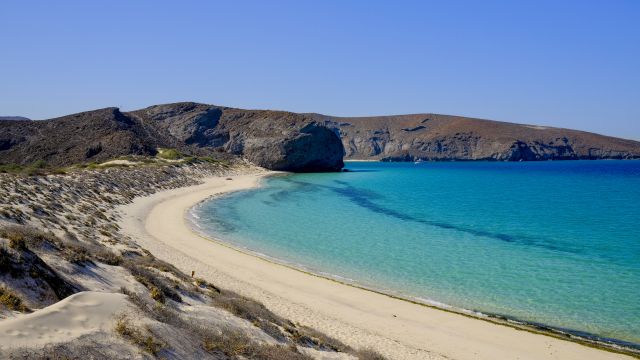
(573, 64)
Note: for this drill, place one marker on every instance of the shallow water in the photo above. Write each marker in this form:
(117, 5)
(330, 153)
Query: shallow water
(556, 243)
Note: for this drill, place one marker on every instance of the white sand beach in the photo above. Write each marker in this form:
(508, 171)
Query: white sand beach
(363, 319)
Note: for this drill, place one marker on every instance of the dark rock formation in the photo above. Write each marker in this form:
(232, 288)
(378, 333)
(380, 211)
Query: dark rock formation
(89, 136)
(275, 140)
(442, 137)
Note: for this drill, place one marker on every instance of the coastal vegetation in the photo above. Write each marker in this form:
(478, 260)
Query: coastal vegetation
(170, 154)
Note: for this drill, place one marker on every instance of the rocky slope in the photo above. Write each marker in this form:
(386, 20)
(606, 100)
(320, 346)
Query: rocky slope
(281, 140)
(13, 118)
(274, 140)
(443, 137)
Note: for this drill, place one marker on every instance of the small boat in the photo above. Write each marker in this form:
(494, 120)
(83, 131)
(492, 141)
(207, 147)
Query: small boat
(418, 161)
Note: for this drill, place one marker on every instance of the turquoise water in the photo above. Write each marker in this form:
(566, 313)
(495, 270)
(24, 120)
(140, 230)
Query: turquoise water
(556, 243)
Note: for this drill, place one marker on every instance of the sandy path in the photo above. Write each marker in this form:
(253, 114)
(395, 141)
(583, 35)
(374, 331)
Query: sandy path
(360, 318)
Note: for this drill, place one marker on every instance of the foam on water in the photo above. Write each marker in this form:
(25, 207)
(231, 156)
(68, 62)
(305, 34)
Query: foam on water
(554, 243)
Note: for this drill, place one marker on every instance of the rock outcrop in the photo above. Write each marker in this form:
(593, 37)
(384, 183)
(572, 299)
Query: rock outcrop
(443, 137)
(275, 140)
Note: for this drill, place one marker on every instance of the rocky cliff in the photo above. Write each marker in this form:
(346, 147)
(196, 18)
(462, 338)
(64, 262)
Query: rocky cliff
(442, 137)
(274, 140)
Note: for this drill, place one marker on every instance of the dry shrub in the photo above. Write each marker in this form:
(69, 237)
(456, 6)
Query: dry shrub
(157, 295)
(76, 252)
(271, 323)
(152, 281)
(11, 301)
(368, 354)
(23, 237)
(143, 339)
(203, 284)
(235, 344)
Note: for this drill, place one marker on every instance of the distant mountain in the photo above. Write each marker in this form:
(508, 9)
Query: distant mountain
(16, 118)
(282, 140)
(444, 137)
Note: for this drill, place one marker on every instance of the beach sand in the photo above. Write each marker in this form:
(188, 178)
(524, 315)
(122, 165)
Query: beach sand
(363, 319)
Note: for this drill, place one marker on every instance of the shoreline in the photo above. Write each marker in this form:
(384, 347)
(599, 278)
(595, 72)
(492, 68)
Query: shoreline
(354, 314)
(581, 337)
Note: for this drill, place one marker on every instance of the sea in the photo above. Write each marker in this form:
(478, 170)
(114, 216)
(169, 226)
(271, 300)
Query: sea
(554, 244)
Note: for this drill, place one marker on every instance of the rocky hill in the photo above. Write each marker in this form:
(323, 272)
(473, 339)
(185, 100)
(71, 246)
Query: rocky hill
(13, 118)
(271, 139)
(281, 140)
(443, 137)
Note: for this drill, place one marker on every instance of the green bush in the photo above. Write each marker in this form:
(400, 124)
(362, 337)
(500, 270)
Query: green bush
(169, 154)
(11, 168)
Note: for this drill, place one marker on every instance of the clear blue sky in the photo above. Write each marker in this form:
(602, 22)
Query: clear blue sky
(572, 64)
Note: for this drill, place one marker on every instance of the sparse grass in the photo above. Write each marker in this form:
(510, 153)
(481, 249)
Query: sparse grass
(29, 264)
(201, 283)
(91, 165)
(271, 323)
(108, 257)
(78, 255)
(205, 159)
(157, 295)
(170, 154)
(159, 287)
(156, 311)
(11, 301)
(39, 167)
(235, 344)
(76, 350)
(23, 237)
(100, 166)
(11, 168)
(222, 343)
(368, 354)
(245, 308)
(17, 242)
(232, 343)
(147, 341)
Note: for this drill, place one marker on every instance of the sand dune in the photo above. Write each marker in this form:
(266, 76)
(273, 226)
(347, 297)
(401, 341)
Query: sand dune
(77, 315)
(360, 318)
